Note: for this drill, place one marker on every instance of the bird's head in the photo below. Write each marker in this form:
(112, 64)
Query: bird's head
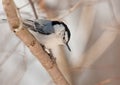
(62, 30)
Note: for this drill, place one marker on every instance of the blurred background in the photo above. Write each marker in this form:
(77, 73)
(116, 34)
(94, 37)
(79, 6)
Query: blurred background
(95, 42)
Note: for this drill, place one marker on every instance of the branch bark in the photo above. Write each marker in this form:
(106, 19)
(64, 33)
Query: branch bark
(32, 43)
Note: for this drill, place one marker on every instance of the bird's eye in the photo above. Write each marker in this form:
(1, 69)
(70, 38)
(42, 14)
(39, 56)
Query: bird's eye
(64, 38)
(63, 35)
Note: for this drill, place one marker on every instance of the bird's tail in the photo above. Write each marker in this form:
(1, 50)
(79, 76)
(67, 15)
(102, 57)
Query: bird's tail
(29, 24)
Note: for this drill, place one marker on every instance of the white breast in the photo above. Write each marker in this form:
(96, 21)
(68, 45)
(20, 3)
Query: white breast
(49, 41)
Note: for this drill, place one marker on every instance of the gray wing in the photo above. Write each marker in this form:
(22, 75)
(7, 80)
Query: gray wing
(40, 25)
(44, 26)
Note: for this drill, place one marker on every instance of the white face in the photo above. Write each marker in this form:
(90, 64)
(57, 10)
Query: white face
(60, 31)
(59, 28)
(66, 36)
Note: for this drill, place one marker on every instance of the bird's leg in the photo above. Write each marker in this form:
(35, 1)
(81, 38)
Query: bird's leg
(43, 47)
(51, 56)
(46, 50)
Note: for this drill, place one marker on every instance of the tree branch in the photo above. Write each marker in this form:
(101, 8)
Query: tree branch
(33, 8)
(32, 43)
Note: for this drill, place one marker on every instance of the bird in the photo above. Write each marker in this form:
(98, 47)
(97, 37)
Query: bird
(52, 34)
(49, 33)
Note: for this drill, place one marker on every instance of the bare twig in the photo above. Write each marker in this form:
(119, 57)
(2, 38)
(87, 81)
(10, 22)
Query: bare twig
(68, 11)
(75, 7)
(19, 72)
(8, 54)
(32, 43)
(99, 47)
(115, 16)
(33, 8)
(108, 81)
(24, 5)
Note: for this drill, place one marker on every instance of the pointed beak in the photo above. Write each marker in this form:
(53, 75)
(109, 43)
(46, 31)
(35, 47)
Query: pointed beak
(68, 47)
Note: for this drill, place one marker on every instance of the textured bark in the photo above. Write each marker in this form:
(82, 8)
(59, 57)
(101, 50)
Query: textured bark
(34, 46)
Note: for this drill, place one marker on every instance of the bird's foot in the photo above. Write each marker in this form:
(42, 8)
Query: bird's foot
(52, 57)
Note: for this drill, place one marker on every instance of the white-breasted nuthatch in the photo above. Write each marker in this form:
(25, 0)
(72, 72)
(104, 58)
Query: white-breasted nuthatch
(49, 33)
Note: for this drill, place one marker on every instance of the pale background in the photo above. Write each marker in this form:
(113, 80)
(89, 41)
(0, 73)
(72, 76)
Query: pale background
(95, 45)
